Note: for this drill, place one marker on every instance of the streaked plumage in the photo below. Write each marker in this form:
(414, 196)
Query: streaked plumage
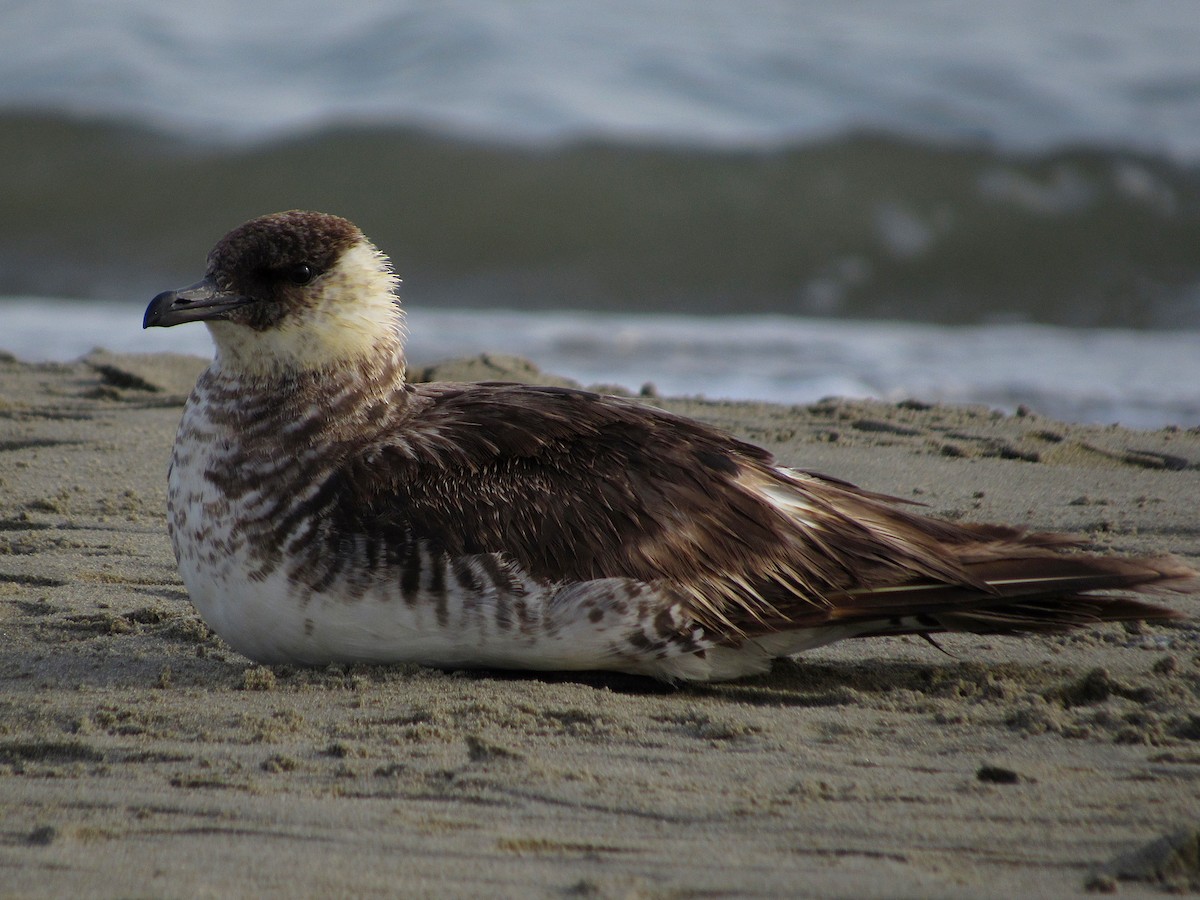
(323, 509)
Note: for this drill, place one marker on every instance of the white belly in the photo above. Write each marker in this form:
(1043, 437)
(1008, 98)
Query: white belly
(367, 617)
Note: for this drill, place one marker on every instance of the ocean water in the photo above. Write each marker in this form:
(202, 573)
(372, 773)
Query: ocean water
(1140, 379)
(1027, 73)
(1025, 174)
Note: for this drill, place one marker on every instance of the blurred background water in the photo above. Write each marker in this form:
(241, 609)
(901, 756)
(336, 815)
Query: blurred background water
(767, 199)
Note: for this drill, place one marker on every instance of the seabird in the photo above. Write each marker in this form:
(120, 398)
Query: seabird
(324, 509)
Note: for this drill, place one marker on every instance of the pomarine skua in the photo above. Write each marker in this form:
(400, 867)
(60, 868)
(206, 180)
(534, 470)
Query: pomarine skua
(323, 509)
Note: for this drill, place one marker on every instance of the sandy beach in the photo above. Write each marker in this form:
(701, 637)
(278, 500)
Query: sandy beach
(140, 756)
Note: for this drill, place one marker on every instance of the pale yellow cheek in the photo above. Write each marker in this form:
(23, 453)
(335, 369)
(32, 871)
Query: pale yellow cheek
(353, 317)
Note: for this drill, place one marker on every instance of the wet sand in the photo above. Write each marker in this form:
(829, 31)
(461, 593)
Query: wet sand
(141, 756)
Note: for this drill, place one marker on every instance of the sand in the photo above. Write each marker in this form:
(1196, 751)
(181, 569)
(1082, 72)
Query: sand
(140, 756)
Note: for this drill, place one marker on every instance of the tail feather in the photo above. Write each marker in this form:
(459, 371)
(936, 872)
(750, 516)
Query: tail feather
(1043, 593)
(905, 573)
(852, 563)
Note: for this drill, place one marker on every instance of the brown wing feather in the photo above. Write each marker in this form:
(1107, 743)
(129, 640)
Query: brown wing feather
(573, 485)
(570, 484)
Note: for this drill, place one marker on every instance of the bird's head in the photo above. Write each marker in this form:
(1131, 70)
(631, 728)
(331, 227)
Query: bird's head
(288, 293)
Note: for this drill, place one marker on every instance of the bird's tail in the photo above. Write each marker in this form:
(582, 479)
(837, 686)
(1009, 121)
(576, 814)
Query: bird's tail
(904, 573)
(1042, 593)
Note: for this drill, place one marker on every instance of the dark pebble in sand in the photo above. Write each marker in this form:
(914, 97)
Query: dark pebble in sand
(42, 837)
(997, 775)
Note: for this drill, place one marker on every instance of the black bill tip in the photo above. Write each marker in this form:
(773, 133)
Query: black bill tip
(202, 301)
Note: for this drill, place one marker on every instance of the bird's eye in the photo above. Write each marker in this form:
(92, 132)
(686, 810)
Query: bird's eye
(302, 273)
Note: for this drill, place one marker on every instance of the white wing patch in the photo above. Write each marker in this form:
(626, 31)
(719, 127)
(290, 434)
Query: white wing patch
(788, 500)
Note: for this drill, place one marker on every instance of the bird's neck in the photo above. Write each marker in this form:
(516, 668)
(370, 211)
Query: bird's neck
(326, 403)
(382, 363)
(311, 348)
